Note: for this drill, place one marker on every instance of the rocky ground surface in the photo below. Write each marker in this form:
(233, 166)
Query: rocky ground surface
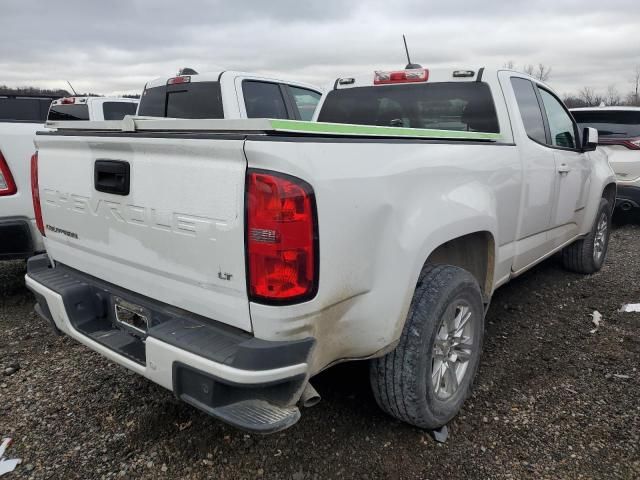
(552, 399)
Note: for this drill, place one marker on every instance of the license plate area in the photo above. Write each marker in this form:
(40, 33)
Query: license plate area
(131, 317)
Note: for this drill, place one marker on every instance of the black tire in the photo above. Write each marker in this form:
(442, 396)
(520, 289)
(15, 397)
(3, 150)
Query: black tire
(402, 380)
(582, 256)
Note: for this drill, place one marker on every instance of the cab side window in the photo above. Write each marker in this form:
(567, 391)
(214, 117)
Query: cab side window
(263, 100)
(529, 109)
(306, 101)
(560, 124)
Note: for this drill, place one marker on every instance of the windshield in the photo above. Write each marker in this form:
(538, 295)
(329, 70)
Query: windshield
(24, 109)
(610, 123)
(466, 106)
(184, 100)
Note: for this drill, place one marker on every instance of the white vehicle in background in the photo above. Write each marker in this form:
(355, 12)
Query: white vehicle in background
(91, 108)
(20, 117)
(618, 136)
(228, 94)
(230, 261)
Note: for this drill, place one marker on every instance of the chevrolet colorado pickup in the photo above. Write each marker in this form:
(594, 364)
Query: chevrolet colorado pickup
(20, 117)
(232, 260)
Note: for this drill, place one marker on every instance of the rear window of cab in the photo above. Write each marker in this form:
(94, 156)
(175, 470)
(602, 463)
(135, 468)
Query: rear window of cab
(24, 109)
(184, 100)
(462, 106)
(68, 112)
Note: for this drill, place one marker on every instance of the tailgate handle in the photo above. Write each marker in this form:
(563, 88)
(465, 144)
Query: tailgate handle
(112, 176)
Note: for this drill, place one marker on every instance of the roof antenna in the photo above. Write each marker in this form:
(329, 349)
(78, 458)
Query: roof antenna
(406, 49)
(72, 89)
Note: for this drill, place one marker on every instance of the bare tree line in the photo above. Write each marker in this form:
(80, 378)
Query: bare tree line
(588, 96)
(35, 91)
(542, 72)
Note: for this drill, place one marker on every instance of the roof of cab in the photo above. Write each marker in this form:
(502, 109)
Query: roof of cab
(434, 75)
(215, 77)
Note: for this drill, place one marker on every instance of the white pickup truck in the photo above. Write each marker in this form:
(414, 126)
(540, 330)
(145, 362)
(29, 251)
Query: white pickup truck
(20, 117)
(91, 108)
(232, 260)
(228, 94)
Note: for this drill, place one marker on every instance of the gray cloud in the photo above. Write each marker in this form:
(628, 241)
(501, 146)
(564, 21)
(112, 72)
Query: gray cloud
(117, 45)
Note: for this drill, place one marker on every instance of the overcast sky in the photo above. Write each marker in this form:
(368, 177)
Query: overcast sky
(115, 46)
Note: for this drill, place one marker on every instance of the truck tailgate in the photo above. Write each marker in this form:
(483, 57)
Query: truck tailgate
(176, 236)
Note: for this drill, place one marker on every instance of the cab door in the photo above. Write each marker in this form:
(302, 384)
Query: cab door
(538, 195)
(573, 172)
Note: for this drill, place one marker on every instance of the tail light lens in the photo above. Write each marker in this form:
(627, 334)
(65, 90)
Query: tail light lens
(7, 185)
(401, 76)
(177, 80)
(630, 143)
(282, 238)
(35, 193)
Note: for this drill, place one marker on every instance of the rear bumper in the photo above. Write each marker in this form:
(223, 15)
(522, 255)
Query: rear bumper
(628, 196)
(250, 383)
(17, 239)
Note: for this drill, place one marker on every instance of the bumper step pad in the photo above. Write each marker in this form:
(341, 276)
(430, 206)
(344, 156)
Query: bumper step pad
(256, 416)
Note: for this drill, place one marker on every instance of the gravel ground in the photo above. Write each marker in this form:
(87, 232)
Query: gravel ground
(552, 400)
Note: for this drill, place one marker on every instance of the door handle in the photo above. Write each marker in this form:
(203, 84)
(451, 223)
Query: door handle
(563, 169)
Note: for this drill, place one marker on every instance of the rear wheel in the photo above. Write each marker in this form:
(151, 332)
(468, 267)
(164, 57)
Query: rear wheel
(426, 379)
(588, 254)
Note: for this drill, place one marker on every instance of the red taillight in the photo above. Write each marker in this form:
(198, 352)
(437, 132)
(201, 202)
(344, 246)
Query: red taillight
(68, 100)
(35, 193)
(7, 185)
(177, 80)
(281, 238)
(630, 143)
(401, 76)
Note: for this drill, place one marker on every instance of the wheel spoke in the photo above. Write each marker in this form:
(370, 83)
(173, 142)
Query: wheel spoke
(450, 320)
(436, 375)
(465, 315)
(451, 380)
(462, 354)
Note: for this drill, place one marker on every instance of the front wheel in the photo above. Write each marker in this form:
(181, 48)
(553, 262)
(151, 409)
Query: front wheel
(588, 254)
(428, 376)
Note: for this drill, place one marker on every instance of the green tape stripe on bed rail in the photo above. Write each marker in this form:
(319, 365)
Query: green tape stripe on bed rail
(297, 126)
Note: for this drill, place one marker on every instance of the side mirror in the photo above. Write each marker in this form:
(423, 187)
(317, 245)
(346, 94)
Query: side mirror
(589, 139)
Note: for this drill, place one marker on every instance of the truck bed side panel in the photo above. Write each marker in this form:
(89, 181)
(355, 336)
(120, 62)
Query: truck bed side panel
(383, 206)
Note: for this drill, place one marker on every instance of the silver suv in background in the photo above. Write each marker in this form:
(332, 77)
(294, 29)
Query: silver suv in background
(619, 136)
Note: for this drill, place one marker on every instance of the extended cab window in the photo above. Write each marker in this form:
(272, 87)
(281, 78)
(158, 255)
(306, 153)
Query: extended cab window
(306, 101)
(464, 106)
(185, 100)
(67, 112)
(560, 123)
(118, 110)
(529, 109)
(263, 100)
(610, 123)
(24, 109)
